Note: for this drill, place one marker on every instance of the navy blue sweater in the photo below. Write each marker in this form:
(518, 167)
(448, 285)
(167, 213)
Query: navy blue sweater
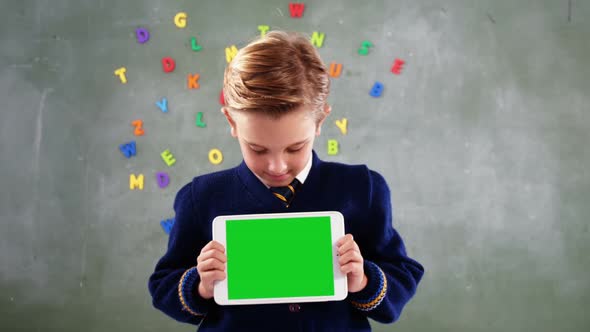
(359, 193)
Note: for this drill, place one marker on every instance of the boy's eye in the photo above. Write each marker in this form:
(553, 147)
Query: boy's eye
(290, 150)
(258, 151)
(295, 149)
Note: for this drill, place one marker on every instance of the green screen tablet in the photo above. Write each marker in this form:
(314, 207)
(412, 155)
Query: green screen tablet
(277, 258)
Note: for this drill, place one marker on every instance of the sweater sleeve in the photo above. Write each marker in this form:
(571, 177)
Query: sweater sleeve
(173, 285)
(392, 276)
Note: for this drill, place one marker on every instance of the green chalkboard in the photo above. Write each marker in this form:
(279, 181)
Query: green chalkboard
(482, 134)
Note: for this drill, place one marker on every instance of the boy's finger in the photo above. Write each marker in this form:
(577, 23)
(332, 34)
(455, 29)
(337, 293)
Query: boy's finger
(346, 246)
(346, 269)
(213, 245)
(210, 264)
(347, 257)
(213, 253)
(347, 237)
(213, 275)
(350, 256)
(351, 267)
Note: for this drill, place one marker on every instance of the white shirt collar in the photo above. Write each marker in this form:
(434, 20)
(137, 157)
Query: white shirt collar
(305, 171)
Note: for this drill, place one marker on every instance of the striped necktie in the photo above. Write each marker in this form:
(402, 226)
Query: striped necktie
(287, 193)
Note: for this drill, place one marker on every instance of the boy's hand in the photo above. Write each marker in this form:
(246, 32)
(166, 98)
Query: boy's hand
(211, 267)
(351, 263)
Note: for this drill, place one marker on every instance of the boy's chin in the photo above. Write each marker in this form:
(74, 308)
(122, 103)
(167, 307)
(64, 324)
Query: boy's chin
(277, 182)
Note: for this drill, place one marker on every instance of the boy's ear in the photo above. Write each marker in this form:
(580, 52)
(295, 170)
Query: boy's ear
(231, 121)
(323, 116)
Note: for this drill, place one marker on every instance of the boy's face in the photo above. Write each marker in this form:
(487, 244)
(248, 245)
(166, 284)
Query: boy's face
(276, 150)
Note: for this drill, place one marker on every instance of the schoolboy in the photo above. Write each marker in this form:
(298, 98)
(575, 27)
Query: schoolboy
(275, 91)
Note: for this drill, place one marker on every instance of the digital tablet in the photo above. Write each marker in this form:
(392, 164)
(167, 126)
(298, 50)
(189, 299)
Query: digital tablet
(280, 258)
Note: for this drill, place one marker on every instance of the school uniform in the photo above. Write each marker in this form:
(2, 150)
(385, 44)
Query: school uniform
(360, 194)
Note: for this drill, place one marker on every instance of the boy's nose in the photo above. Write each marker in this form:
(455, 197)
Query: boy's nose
(277, 166)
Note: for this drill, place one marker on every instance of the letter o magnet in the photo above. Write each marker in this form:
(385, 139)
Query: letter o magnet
(215, 156)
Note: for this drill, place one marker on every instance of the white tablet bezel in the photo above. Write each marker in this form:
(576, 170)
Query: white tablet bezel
(220, 290)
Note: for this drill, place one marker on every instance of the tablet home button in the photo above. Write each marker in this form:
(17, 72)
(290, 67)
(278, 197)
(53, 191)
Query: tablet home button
(294, 307)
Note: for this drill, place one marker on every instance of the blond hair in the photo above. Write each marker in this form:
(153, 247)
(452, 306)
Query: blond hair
(275, 74)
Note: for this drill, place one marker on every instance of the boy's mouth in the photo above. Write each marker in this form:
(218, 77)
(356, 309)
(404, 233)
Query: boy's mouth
(278, 178)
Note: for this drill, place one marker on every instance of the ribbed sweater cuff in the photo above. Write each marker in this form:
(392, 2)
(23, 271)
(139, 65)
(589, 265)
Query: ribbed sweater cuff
(186, 294)
(374, 293)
